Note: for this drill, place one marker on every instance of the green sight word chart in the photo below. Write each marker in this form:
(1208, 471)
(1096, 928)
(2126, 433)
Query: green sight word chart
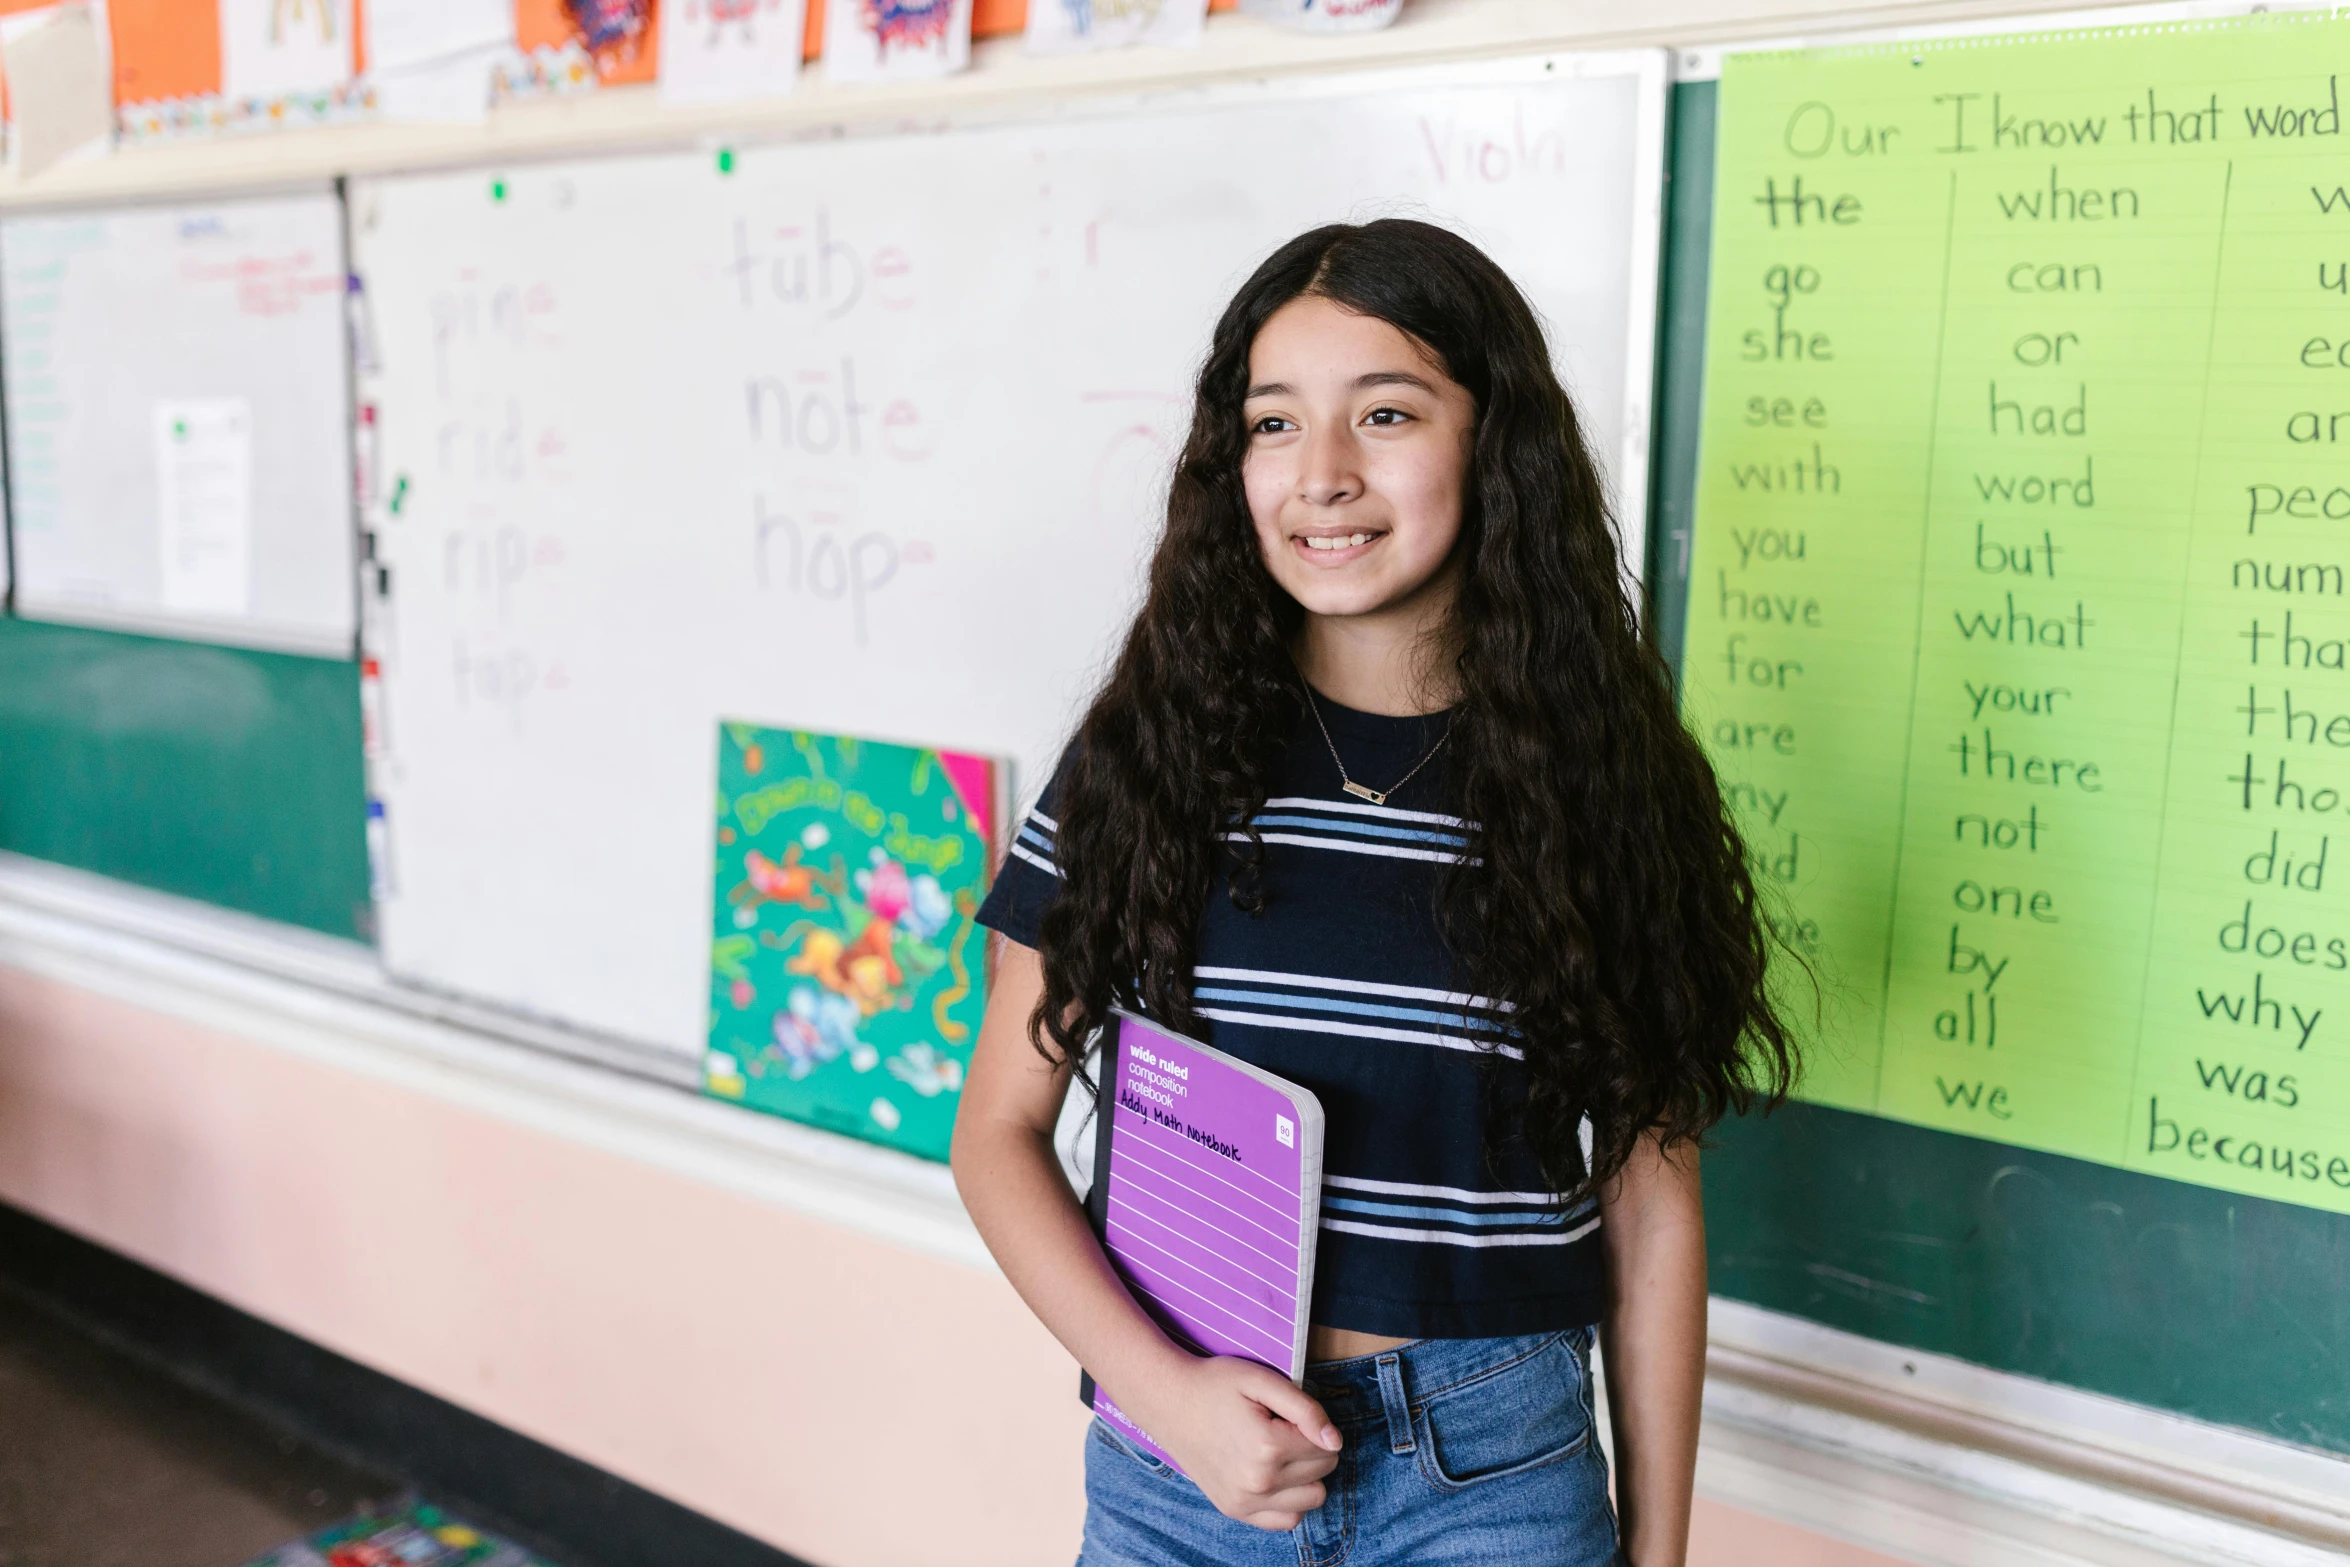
(2017, 618)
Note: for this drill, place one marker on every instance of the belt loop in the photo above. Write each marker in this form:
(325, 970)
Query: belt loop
(1398, 1408)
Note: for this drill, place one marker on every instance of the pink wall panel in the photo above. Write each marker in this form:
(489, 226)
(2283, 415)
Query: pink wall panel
(854, 1403)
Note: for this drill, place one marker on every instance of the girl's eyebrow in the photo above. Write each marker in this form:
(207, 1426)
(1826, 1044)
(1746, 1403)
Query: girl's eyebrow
(1362, 382)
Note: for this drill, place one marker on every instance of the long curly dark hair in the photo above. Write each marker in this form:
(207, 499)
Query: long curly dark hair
(1605, 895)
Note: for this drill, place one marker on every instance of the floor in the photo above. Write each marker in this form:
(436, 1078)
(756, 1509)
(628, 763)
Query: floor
(105, 1463)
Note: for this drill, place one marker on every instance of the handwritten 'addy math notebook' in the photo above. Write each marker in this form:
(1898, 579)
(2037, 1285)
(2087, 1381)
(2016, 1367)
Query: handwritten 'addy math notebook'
(1207, 1194)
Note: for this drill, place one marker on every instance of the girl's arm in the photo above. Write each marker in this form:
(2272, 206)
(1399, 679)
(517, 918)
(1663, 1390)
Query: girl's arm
(1257, 1445)
(1653, 1222)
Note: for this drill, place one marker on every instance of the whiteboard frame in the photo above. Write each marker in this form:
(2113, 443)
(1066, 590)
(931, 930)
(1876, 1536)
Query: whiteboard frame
(220, 631)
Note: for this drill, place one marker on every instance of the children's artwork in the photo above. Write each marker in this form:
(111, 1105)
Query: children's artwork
(895, 40)
(432, 60)
(277, 48)
(845, 969)
(611, 31)
(1077, 26)
(408, 1533)
(718, 51)
(1325, 16)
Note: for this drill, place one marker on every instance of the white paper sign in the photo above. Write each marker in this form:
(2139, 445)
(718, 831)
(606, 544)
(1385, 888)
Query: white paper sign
(1078, 26)
(719, 51)
(60, 85)
(454, 90)
(204, 504)
(895, 40)
(405, 33)
(271, 48)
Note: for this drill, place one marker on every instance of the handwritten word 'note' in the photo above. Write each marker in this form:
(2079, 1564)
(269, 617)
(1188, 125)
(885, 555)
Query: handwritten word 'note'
(204, 504)
(2019, 619)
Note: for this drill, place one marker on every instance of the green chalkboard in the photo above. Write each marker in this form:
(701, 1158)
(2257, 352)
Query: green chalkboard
(214, 772)
(2221, 1307)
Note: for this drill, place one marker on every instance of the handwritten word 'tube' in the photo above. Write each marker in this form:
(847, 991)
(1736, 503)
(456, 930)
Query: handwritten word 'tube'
(805, 266)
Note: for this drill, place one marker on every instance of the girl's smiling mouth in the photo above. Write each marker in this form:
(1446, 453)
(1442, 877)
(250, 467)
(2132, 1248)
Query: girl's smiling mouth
(1335, 546)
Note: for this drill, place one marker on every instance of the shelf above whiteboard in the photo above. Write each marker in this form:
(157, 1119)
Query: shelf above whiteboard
(1234, 47)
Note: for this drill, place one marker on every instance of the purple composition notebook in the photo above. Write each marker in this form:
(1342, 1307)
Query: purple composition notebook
(1207, 1195)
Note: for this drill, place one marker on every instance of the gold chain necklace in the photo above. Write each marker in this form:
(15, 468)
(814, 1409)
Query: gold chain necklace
(1365, 791)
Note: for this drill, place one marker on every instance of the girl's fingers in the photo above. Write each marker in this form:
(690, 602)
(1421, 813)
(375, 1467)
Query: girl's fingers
(1295, 1405)
(1281, 1511)
(1297, 1499)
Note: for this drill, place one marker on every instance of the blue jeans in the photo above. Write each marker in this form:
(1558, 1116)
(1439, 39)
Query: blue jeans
(1458, 1451)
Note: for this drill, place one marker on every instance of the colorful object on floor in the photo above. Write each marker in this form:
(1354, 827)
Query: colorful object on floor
(409, 1533)
(845, 967)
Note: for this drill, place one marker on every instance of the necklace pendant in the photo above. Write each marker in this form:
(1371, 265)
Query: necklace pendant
(1361, 793)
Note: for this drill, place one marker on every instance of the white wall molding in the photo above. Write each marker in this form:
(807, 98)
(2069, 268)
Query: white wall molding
(329, 1001)
(1942, 1462)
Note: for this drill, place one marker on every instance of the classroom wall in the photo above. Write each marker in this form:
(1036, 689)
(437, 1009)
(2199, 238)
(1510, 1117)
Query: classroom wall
(853, 1402)
(845, 1398)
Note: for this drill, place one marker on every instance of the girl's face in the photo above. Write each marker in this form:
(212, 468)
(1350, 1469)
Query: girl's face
(1358, 451)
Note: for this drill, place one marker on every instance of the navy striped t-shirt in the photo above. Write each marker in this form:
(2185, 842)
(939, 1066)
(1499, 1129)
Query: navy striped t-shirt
(1433, 1226)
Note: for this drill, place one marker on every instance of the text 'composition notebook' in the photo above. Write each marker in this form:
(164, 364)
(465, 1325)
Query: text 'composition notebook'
(1207, 1194)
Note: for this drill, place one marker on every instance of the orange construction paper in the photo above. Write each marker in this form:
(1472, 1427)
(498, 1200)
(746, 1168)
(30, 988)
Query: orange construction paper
(542, 24)
(165, 49)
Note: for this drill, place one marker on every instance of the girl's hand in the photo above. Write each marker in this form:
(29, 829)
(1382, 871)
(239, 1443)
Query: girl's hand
(1254, 1443)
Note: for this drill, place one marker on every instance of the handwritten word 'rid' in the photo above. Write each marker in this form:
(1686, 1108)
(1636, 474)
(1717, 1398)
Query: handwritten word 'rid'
(805, 266)
(819, 557)
(501, 451)
(817, 413)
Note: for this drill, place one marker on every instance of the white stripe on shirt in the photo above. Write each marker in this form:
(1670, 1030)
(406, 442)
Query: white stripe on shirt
(1366, 987)
(1315, 1025)
(1355, 1183)
(1455, 1238)
(1352, 809)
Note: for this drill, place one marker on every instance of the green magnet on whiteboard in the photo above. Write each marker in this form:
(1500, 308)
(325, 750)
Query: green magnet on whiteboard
(497, 190)
(399, 494)
(726, 160)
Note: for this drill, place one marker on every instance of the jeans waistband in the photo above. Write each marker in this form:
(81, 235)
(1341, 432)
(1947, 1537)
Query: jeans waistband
(1391, 1386)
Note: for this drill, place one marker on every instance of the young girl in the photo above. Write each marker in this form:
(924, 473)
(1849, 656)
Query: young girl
(1386, 795)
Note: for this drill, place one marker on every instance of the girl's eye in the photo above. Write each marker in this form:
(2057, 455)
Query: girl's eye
(1270, 424)
(1387, 416)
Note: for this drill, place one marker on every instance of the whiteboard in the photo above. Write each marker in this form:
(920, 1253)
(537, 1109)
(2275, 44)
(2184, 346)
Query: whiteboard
(179, 437)
(866, 436)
